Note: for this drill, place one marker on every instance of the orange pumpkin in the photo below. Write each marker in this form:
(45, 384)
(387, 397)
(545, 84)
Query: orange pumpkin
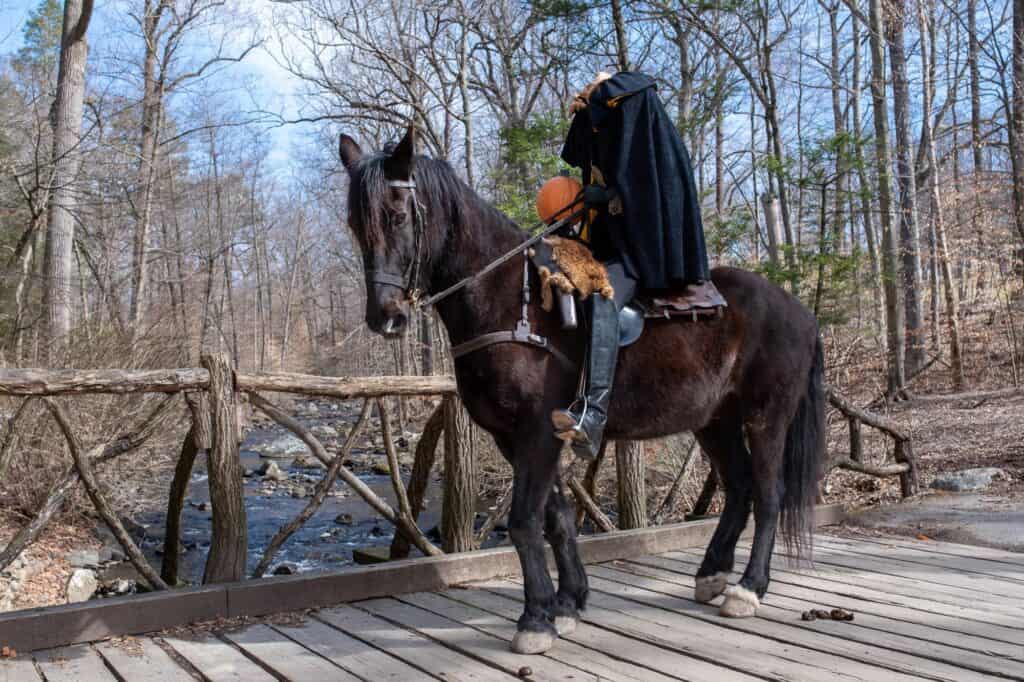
(555, 196)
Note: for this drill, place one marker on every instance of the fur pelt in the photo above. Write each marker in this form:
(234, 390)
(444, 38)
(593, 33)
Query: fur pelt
(578, 272)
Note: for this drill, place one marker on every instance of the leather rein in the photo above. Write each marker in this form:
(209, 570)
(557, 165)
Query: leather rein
(409, 282)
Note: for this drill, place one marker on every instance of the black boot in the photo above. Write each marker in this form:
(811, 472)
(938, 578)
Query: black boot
(583, 423)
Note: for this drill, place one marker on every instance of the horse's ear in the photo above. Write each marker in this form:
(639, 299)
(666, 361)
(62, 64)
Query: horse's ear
(400, 163)
(349, 151)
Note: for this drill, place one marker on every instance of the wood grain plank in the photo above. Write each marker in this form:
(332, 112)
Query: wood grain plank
(627, 655)
(359, 658)
(79, 663)
(886, 646)
(142, 662)
(882, 615)
(932, 583)
(412, 647)
(943, 547)
(21, 669)
(889, 589)
(495, 651)
(290, 659)
(995, 571)
(691, 637)
(218, 661)
(597, 663)
(853, 659)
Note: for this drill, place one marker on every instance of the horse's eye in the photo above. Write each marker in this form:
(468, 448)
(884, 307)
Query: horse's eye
(397, 219)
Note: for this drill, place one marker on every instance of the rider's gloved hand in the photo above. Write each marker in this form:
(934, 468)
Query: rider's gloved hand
(596, 196)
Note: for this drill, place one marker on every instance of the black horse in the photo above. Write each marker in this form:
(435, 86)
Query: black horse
(748, 383)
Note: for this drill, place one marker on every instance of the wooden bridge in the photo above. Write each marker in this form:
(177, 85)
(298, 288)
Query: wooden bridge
(922, 610)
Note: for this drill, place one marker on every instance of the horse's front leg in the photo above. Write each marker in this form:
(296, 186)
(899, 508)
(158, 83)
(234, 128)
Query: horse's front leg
(535, 469)
(560, 529)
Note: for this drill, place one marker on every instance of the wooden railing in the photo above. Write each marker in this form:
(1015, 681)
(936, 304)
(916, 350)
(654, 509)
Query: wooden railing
(214, 395)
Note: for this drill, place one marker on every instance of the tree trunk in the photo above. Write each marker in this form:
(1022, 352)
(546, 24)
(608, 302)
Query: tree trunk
(1017, 124)
(942, 253)
(895, 331)
(630, 469)
(867, 213)
(66, 119)
(910, 238)
(459, 503)
(229, 544)
(621, 46)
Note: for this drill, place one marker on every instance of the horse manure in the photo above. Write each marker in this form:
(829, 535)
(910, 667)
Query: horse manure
(525, 671)
(834, 614)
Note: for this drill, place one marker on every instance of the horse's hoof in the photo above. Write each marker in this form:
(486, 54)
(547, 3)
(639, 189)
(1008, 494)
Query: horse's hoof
(526, 642)
(566, 625)
(710, 586)
(739, 602)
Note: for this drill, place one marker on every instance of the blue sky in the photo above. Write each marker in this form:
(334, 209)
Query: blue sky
(272, 88)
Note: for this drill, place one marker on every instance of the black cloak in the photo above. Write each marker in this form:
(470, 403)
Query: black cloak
(627, 134)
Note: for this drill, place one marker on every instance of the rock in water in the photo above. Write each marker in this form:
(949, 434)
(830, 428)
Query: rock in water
(305, 462)
(81, 586)
(343, 519)
(285, 447)
(84, 558)
(272, 472)
(967, 480)
(324, 432)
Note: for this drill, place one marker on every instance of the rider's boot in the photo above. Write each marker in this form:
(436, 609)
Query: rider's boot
(582, 424)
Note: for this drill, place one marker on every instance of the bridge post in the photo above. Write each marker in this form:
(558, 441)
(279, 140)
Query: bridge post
(630, 468)
(459, 504)
(229, 544)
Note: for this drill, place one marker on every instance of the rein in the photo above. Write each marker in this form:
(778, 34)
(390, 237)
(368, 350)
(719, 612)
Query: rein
(409, 280)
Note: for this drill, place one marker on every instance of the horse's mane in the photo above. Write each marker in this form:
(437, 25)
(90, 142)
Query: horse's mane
(450, 202)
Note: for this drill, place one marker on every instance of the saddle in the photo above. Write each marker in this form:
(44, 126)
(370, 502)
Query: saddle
(569, 271)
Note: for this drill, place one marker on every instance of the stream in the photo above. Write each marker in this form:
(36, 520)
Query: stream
(343, 523)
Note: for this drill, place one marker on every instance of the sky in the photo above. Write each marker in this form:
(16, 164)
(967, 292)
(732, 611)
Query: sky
(269, 87)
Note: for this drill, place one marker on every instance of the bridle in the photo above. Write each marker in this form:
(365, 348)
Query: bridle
(408, 281)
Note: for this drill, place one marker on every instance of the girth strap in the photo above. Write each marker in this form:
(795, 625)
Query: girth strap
(517, 336)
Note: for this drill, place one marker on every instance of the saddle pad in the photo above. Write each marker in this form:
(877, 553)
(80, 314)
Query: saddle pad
(695, 300)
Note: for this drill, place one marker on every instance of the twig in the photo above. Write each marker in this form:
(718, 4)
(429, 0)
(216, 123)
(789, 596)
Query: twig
(92, 487)
(322, 488)
(670, 497)
(11, 437)
(393, 466)
(501, 509)
(419, 479)
(380, 506)
(873, 469)
(587, 502)
(60, 490)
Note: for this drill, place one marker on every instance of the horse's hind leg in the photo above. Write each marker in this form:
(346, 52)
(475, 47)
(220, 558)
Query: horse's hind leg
(535, 470)
(767, 446)
(560, 529)
(724, 445)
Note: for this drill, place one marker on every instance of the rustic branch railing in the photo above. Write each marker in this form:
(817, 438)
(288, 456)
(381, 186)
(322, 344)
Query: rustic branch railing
(905, 465)
(213, 394)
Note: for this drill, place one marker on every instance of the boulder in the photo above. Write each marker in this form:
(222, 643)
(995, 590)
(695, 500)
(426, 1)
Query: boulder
(272, 472)
(967, 479)
(307, 462)
(343, 519)
(81, 586)
(284, 447)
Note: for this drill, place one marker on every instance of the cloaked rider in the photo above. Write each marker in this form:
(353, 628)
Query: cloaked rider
(647, 229)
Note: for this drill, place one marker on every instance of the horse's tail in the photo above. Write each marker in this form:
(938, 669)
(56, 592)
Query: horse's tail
(803, 461)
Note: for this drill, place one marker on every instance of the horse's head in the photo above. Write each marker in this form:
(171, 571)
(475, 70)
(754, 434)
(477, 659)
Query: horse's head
(388, 223)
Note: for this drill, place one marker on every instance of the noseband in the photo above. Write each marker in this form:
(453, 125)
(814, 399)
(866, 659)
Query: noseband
(408, 281)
